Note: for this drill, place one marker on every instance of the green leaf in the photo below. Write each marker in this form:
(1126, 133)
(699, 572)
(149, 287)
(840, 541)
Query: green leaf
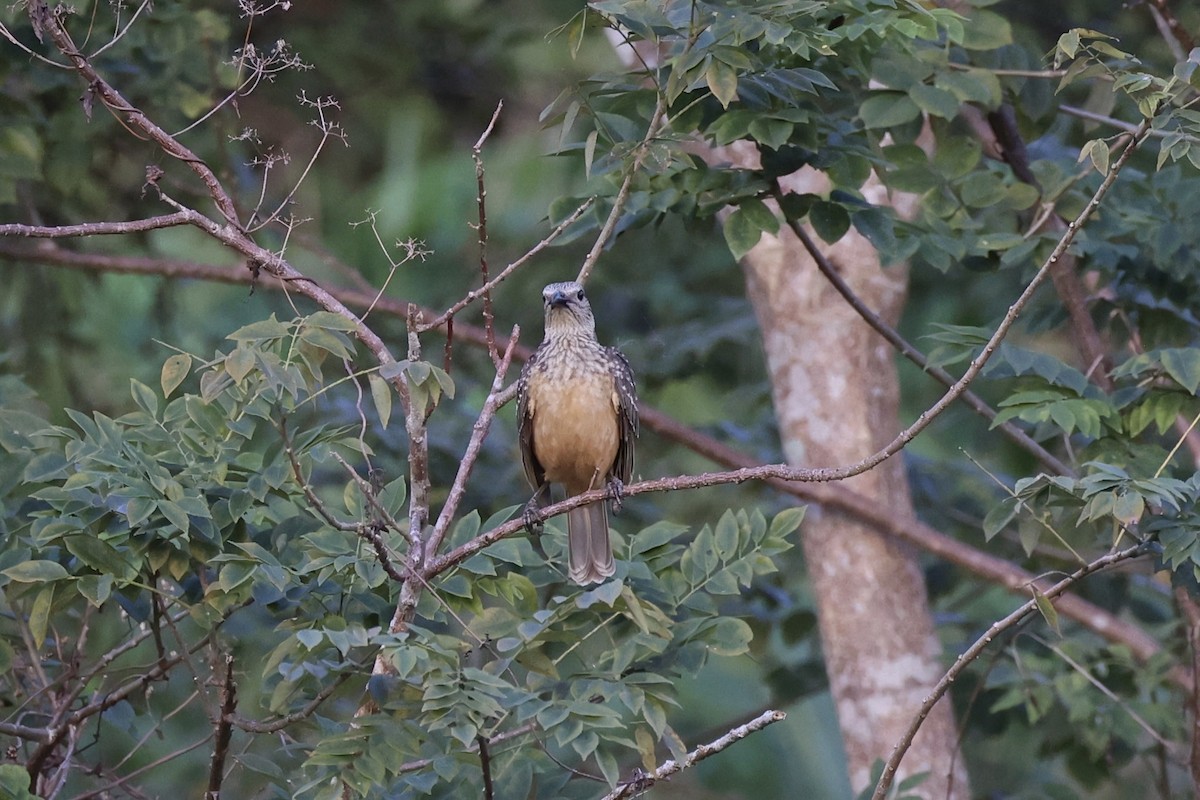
(37, 571)
(1183, 365)
(95, 588)
(1046, 609)
(331, 321)
(174, 370)
(46, 467)
(760, 214)
(999, 516)
(774, 133)
(970, 86)
(935, 101)
(786, 522)
(654, 536)
(887, 110)
(741, 233)
(381, 395)
(100, 556)
(261, 331)
(175, 514)
(722, 81)
(1097, 150)
(144, 396)
(730, 636)
(239, 363)
(331, 341)
(987, 30)
(39, 615)
(829, 220)
(1129, 507)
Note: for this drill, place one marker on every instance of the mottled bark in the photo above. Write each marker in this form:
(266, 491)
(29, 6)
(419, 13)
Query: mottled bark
(836, 399)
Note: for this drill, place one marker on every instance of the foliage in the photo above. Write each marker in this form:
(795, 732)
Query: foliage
(218, 515)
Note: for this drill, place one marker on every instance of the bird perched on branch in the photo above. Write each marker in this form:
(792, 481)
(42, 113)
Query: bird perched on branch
(578, 417)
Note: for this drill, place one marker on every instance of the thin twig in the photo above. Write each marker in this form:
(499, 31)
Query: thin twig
(614, 215)
(669, 768)
(480, 199)
(255, 726)
(443, 318)
(222, 732)
(906, 349)
(1171, 747)
(479, 432)
(971, 653)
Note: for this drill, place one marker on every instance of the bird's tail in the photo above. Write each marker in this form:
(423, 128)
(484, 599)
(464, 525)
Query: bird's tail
(589, 552)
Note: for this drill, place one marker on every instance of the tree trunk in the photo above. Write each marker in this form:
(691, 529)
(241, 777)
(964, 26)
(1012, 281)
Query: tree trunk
(836, 399)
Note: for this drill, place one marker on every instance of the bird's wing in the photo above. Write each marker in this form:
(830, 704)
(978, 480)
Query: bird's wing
(627, 413)
(533, 470)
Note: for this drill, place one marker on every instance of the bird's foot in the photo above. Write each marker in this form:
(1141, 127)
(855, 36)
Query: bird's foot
(616, 493)
(531, 515)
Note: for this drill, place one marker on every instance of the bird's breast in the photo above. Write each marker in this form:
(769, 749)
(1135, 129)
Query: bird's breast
(575, 432)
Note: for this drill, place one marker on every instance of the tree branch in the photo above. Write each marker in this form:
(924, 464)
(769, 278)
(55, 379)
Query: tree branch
(41, 15)
(974, 651)
(94, 228)
(914, 355)
(844, 500)
(669, 768)
(614, 215)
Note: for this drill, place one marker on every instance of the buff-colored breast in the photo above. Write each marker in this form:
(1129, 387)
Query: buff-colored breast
(575, 433)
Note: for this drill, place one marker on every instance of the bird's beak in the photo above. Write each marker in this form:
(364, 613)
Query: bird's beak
(558, 299)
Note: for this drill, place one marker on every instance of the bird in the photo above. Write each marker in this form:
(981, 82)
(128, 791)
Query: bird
(578, 421)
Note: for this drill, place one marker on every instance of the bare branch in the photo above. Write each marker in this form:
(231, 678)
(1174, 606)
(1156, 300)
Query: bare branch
(610, 224)
(479, 432)
(974, 651)
(480, 199)
(222, 732)
(475, 294)
(643, 782)
(913, 354)
(1191, 615)
(485, 766)
(94, 228)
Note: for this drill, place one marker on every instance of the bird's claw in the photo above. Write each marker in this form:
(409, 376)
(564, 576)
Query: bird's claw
(531, 515)
(616, 493)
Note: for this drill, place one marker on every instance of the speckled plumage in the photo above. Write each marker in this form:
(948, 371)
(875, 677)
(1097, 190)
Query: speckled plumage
(577, 410)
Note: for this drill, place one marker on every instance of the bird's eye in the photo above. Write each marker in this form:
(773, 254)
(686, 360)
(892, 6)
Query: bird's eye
(579, 295)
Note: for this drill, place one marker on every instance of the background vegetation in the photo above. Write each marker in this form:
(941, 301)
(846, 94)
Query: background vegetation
(218, 487)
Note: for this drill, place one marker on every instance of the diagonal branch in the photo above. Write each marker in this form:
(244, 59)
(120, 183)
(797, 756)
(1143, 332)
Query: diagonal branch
(643, 782)
(479, 431)
(974, 651)
(642, 150)
(41, 15)
(847, 501)
(913, 354)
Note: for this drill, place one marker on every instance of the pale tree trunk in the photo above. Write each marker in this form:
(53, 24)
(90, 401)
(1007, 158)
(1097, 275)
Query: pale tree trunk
(836, 396)
(836, 399)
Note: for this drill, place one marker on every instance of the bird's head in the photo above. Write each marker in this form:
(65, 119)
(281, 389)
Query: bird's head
(567, 307)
